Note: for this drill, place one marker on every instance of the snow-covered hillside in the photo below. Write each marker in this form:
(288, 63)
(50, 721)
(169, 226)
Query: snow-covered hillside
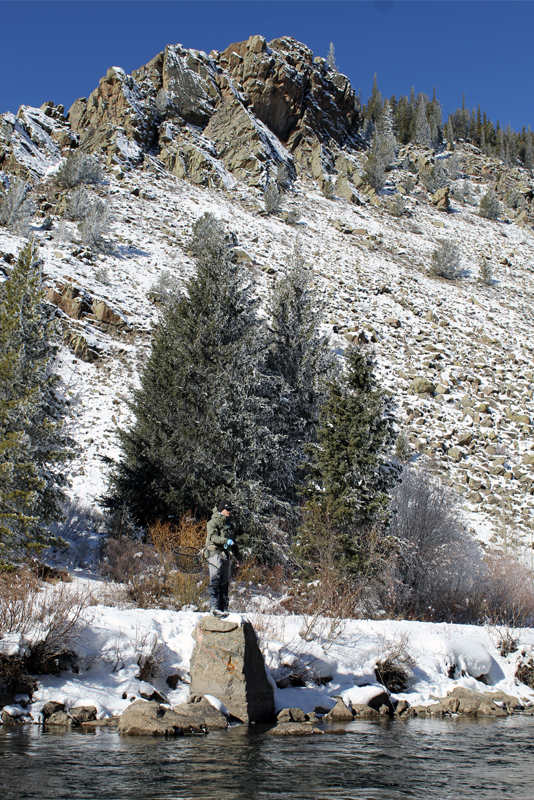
(471, 341)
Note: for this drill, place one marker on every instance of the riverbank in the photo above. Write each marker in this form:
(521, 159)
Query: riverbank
(124, 653)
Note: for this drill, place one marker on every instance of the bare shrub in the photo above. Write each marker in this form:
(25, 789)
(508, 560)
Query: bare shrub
(446, 260)
(16, 208)
(271, 198)
(332, 595)
(77, 169)
(95, 227)
(394, 667)
(79, 204)
(165, 288)
(149, 656)
(138, 568)
(47, 622)
(438, 561)
(525, 669)
(102, 276)
(489, 208)
(181, 575)
(505, 592)
(283, 178)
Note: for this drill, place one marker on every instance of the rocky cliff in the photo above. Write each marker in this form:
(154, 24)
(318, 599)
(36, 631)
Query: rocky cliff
(241, 113)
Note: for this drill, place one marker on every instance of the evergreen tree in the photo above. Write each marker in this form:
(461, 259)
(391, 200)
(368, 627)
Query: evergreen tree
(32, 443)
(386, 144)
(529, 159)
(203, 411)
(331, 57)
(350, 474)
(373, 109)
(301, 360)
(422, 127)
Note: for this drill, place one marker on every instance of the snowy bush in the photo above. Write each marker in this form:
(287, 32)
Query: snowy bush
(490, 208)
(94, 228)
(446, 260)
(16, 208)
(283, 178)
(397, 206)
(165, 288)
(271, 198)
(77, 169)
(394, 667)
(374, 172)
(328, 189)
(80, 528)
(485, 271)
(79, 204)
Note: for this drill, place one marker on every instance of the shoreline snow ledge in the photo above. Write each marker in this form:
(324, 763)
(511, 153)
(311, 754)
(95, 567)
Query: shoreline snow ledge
(110, 646)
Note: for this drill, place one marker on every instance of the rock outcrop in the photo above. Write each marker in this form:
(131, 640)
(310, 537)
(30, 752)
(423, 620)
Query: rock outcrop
(227, 663)
(240, 112)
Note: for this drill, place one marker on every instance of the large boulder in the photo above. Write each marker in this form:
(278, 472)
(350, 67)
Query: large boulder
(146, 718)
(228, 664)
(201, 712)
(470, 703)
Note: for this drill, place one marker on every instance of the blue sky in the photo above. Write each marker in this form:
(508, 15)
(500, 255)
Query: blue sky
(58, 50)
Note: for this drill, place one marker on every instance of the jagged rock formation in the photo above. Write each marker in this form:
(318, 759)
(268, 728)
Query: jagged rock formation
(240, 113)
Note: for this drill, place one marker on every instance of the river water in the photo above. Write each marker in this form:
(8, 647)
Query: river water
(386, 760)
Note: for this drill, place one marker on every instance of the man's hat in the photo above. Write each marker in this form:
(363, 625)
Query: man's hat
(225, 505)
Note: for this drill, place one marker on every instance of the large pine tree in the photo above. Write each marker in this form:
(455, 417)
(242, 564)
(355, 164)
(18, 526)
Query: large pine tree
(32, 443)
(352, 470)
(203, 417)
(300, 358)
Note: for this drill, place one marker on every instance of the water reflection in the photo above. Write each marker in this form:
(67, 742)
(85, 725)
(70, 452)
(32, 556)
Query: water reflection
(389, 760)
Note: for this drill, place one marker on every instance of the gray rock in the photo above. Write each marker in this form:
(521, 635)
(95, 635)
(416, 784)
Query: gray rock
(363, 710)
(340, 713)
(291, 715)
(294, 729)
(471, 704)
(51, 708)
(227, 663)
(144, 718)
(60, 718)
(83, 714)
(199, 711)
(421, 386)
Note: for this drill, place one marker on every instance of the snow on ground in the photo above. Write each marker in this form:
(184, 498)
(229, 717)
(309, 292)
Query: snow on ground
(338, 665)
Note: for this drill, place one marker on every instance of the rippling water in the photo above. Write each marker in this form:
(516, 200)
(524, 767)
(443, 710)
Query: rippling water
(438, 759)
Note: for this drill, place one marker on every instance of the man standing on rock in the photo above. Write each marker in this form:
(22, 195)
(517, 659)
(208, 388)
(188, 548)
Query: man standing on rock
(220, 542)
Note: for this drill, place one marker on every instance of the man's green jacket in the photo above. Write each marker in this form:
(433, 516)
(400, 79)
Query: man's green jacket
(220, 529)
